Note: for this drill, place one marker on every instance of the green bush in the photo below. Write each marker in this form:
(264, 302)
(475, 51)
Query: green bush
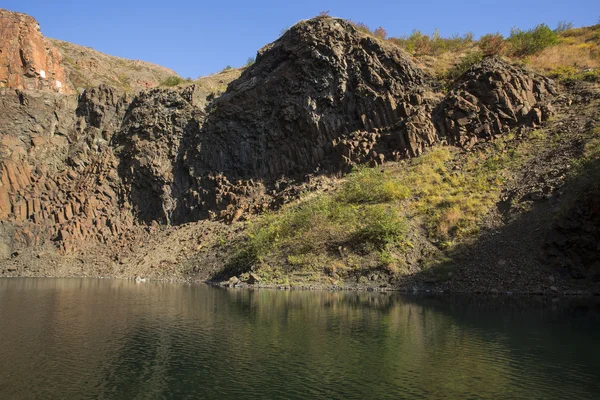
(382, 227)
(172, 81)
(523, 43)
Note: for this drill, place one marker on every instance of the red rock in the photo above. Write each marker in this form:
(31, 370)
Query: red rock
(68, 212)
(28, 60)
(12, 176)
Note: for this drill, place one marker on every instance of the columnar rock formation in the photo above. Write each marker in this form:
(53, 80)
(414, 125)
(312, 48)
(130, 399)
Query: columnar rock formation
(27, 59)
(86, 169)
(490, 99)
(59, 182)
(156, 128)
(320, 82)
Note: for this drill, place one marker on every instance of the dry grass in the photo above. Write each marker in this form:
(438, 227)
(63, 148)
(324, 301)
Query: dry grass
(578, 48)
(439, 65)
(451, 202)
(217, 83)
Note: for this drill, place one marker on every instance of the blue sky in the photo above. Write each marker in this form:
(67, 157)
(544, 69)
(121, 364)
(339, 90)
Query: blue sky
(197, 38)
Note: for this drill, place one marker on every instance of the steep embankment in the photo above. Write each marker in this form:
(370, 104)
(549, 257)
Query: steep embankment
(87, 68)
(107, 183)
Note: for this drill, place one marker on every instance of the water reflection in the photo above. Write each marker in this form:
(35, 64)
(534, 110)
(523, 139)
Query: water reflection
(72, 338)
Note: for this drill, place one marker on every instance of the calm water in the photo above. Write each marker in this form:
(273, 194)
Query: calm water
(75, 339)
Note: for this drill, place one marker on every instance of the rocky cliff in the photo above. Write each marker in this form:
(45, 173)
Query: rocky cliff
(325, 97)
(27, 59)
(82, 170)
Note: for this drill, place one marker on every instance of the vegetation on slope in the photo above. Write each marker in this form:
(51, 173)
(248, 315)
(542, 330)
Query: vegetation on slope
(399, 219)
(565, 53)
(87, 68)
(362, 227)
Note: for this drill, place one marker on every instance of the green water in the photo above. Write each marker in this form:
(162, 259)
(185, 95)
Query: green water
(108, 339)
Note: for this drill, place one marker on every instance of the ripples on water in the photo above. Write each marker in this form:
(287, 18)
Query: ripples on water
(74, 339)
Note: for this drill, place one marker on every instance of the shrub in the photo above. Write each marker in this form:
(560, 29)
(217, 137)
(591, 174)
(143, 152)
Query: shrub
(380, 33)
(172, 81)
(491, 44)
(419, 43)
(523, 43)
(383, 227)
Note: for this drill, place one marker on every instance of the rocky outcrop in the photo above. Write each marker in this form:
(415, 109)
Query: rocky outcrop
(321, 98)
(79, 170)
(27, 59)
(156, 128)
(58, 178)
(319, 83)
(490, 99)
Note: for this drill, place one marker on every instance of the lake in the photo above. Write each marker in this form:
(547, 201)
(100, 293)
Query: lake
(115, 339)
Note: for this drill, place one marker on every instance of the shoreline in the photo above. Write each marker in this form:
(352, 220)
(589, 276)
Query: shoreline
(331, 288)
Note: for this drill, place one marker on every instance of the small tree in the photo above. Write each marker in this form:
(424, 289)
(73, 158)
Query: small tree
(492, 44)
(324, 13)
(380, 33)
(524, 43)
(419, 43)
(563, 26)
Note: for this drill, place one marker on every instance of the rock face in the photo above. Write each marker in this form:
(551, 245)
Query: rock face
(574, 244)
(321, 98)
(320, 82)
(80, 170)
(58, 178)
(157, 127)
(27, 59)
(490, 99)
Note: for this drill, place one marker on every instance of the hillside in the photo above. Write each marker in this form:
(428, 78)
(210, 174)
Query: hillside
(88, 68)
(339, 158)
